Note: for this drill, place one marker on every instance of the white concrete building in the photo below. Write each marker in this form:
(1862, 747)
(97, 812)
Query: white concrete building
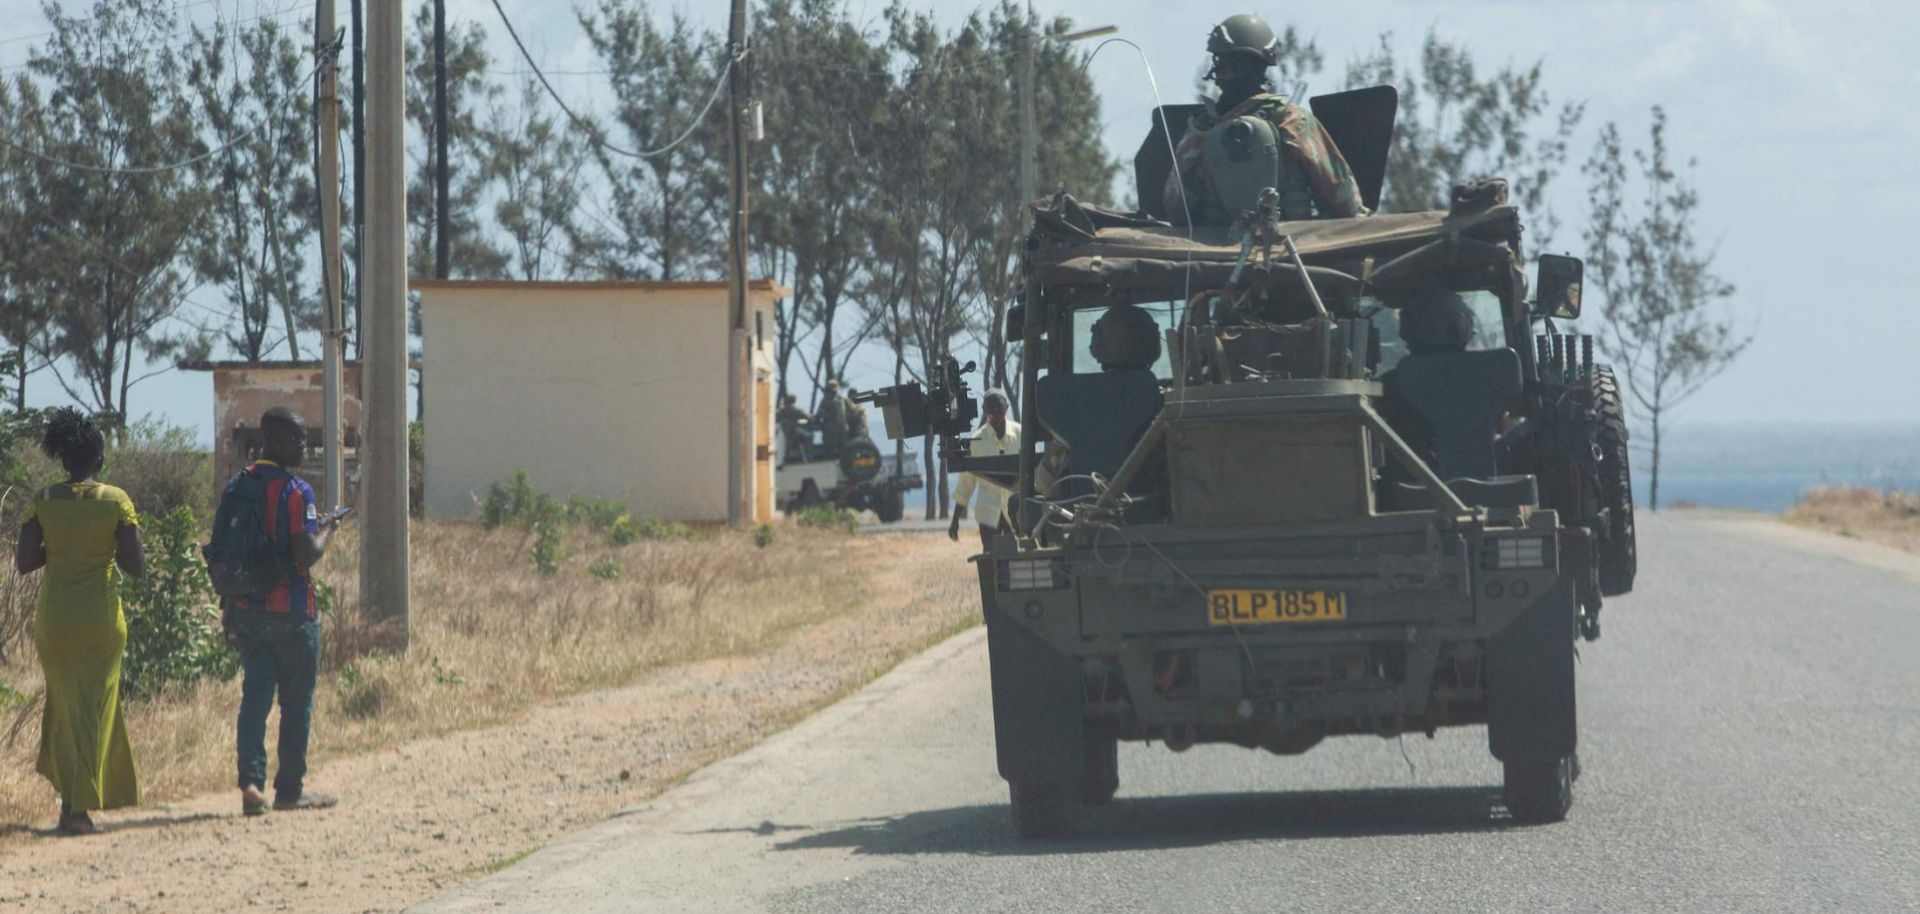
(600, 389)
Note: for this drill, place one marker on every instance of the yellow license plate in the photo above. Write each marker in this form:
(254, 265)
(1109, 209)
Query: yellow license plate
(1260, 607)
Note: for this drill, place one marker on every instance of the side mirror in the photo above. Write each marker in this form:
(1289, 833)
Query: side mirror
(1557, 286)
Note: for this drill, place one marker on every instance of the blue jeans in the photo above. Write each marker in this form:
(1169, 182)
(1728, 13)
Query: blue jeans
(280, 655)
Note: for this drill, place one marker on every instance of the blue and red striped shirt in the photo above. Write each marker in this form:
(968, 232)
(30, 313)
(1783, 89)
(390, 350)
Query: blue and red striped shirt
(290, 510)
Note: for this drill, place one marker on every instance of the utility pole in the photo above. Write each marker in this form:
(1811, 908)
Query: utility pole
(326, 100)
(359, 168)
(383, 489)
(442, 244)
(740, 456)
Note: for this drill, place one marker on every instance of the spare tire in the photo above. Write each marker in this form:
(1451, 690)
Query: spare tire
(860, 460)
(1618, 557)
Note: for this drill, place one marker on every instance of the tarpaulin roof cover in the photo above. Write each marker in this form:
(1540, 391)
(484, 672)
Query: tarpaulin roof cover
(1074, 244)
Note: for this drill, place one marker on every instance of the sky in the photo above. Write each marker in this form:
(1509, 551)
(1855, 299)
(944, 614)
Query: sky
(1800, 118)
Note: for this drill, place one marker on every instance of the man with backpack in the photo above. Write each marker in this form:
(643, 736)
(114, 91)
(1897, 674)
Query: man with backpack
(268, 533)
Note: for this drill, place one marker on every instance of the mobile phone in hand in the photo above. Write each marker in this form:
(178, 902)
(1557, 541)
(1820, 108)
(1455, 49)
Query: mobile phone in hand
(339, 514)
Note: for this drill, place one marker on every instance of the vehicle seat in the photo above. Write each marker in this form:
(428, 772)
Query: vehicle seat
(1459, 396)
(1100, 417)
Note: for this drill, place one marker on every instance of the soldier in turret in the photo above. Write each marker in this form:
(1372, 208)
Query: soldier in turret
(1250, 139)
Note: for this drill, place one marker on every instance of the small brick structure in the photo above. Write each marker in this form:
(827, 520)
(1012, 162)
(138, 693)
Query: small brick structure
(244, 390)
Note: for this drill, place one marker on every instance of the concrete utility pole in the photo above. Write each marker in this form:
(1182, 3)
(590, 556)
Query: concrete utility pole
(442, 243)
(740, 456)
(326, 99)
(383, 488)
(1029, 138)
(359, 167)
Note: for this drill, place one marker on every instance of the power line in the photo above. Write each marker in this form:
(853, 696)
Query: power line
(19, 38)
(324, 55)
(593, 132)
(275, 15)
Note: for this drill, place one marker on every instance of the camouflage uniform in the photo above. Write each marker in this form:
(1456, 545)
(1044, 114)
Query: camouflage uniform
(1315, 180)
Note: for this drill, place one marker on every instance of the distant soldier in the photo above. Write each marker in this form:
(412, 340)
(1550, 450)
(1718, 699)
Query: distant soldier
(856, 415)
(832, 419)
(793, 430)
(1249, 139)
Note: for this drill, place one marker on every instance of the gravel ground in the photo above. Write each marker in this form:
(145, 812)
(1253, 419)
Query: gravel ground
(431, 814)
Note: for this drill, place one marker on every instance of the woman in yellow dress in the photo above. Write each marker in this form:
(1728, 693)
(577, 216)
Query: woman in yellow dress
(86, 535)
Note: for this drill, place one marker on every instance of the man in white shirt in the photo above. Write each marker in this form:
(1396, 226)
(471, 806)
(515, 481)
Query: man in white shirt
(999, 435)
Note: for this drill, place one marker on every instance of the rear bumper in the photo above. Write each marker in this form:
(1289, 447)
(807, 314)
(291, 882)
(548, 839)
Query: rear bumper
(1132, 611)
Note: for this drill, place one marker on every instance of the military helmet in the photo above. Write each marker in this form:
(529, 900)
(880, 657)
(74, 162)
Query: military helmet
(1125, 338)
(1245, 35)
(1436, 319)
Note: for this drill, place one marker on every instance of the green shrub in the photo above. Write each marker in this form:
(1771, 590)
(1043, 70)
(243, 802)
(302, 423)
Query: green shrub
(626, 530)
(547, 553)
(416, 468)
(829, 518)
(763, 535)
(598, 513)
(161, 467)
(173, 618)
(512, 502)
(605, 570)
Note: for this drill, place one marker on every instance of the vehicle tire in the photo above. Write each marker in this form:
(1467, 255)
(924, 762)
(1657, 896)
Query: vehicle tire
(890, 506)
(1100, 774)
(1540, 791)
(1618, 556)
(1042, 809)
(860, 460)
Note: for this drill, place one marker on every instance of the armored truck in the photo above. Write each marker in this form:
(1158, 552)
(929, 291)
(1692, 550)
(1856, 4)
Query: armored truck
(1286, 481)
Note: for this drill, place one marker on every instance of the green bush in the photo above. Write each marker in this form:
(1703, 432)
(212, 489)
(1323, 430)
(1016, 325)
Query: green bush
(626, 530)
(547, 553)
(598, 513)
(763, 535)
(829, 518)
(173, 618)
(509, 502)
(605, 570)
(416, 469)
(162, 468)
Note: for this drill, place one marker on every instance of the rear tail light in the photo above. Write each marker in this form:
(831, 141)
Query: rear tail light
(1032, 574)
(1515, 552)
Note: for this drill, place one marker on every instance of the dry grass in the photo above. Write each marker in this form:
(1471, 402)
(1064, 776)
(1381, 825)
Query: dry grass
(1892, 518)
(490, 637)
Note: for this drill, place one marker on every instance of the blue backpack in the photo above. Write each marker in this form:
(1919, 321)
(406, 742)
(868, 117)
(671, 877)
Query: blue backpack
(241, 558)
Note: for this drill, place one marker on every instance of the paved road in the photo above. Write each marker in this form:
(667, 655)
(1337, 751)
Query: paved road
(1750, 732)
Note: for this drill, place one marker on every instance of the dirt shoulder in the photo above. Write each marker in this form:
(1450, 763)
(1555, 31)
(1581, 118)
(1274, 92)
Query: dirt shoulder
(1888, 518)
(434, 812)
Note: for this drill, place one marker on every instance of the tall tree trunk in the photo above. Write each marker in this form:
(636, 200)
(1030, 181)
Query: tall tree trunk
(928, 460)
(286, 300)
(1653, 482)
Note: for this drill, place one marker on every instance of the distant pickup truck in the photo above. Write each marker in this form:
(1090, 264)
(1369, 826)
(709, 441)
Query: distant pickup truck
(859, 477)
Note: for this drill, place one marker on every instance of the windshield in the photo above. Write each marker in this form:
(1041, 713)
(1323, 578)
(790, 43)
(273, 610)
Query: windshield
(1489, 326)
(1165, 314)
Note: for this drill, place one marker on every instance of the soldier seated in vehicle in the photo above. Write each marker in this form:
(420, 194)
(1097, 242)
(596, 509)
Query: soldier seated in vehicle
(1250, 139)
(1126, 338)
(795, 430)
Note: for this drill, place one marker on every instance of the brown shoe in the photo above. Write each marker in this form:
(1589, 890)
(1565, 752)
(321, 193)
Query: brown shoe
(305, 799)
(252, 801)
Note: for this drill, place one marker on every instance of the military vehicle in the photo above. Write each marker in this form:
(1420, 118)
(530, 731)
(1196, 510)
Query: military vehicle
(857, 476)
(1356, 481)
